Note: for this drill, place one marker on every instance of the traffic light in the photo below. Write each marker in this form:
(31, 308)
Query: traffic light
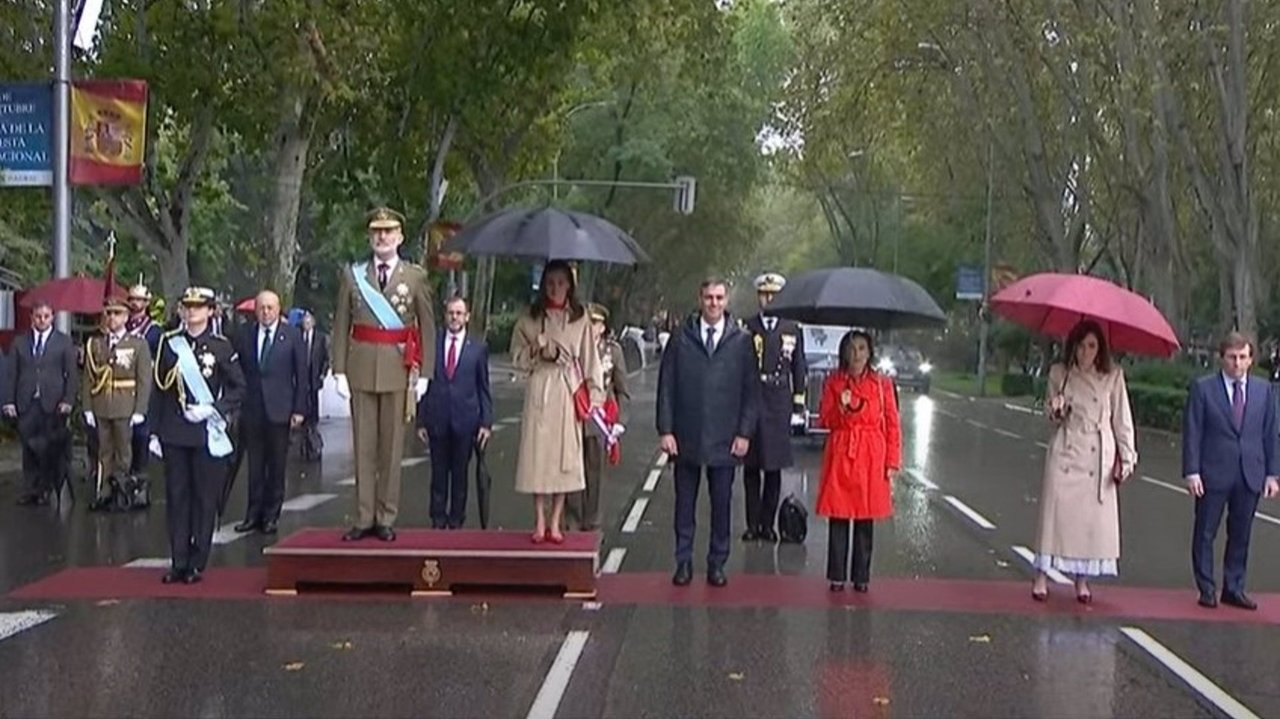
(686, 192)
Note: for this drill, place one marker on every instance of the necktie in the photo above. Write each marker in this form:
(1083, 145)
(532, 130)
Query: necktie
(39, 344)
(266, 346)
(383, 270)
(1237, 403)
(711, 340)
(769, 323)
(451, 359)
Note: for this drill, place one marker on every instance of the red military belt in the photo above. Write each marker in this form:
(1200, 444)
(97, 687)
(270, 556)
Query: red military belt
(407, 336)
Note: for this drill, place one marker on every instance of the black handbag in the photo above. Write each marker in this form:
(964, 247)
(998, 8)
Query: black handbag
(793, 520)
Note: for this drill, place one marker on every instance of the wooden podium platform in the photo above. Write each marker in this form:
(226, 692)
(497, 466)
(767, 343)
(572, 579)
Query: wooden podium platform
(431, 562)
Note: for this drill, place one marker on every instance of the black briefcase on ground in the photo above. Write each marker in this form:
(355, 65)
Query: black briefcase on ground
(793, 520)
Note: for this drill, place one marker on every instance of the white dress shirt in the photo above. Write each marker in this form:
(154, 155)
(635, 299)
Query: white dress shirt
(719, 332)
(1231, 388)
(264, 332)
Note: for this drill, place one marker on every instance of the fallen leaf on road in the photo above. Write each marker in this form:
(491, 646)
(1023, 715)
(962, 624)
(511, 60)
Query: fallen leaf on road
(481, 608)
(294, 666)
(342, 645)
(980, 639)
(880, 701)
(736, 676)
(1002, 564)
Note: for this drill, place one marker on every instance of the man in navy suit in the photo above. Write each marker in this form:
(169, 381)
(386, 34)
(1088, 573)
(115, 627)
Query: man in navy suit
(455, 415)
(1229, 459)
(274, 359)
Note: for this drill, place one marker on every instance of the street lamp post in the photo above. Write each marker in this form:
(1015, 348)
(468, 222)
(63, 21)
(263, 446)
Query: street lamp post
(61, 148)
(984, 313)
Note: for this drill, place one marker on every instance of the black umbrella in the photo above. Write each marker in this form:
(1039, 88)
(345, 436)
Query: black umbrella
(857, 297)
(546, 234)
(483, 480)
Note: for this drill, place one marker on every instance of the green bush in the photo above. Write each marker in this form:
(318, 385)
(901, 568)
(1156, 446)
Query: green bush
(500, 329)
(1017, 385)
(1163, 374)
(1157, 406)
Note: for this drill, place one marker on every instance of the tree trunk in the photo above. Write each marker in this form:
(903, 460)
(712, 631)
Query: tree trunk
(292, 141)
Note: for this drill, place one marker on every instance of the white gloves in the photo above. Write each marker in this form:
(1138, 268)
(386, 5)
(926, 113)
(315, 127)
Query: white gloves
(617, 431)
(421, 387)
(136, 420)
(89, 419)
(154, 446)
(197, 413)
(344, 389)
(797, 420)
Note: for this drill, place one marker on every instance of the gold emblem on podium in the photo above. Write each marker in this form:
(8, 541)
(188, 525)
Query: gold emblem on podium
(430, 571)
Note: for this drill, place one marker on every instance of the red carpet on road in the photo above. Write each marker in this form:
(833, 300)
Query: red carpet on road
(438, 539)
(744, 590)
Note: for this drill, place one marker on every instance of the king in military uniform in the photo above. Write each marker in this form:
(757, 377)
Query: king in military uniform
(584, 507)
(114, 393)
(199, 387)
(779, 349)
(382, 322)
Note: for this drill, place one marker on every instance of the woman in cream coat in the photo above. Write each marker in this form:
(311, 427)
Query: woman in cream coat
(553, 344)
(1090, 454)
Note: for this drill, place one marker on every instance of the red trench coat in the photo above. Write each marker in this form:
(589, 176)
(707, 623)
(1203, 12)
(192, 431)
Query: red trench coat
(865, 443)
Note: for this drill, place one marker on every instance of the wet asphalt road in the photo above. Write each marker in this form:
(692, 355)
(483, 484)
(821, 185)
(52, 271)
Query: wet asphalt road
(778, 655)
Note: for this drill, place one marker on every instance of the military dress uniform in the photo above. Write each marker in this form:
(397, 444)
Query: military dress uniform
(380, 364)
(115, 392)
(141, 325)
(779, 350)
(193, 475)
(583, 507)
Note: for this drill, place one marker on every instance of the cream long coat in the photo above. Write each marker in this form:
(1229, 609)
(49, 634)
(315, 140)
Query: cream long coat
(1079, 514)
(550, 459)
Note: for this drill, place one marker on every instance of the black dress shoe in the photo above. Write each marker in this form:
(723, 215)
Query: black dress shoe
(247, 525)
(1208, 601)
(716, 577)
(769, 535)
(192, 577)
(173, 576)
(683, 575)
(836, 586)
(861, 587)
(386, 534)
(749, 535)
(1239, 600)
(355, 534)
(269, 527)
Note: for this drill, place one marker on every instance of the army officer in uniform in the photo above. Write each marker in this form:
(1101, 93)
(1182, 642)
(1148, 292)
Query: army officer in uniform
(383, 321)
(779, 350)
(198, 387)
(114, 392)
(584, 507)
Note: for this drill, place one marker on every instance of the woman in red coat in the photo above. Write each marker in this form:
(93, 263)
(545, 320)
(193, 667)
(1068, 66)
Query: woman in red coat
(863, 452)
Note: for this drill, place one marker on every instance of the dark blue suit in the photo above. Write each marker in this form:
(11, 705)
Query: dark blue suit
(453, 411)
(1233, 463)
(276, 388)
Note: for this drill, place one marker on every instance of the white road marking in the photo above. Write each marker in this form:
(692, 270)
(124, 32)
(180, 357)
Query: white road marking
(976, 423)
(613, 562)
(952, 395)
(12, 623)
(634, 516)
(1055, 575)
(348, 482)
(591, 606)
(663, 458)
(547, 702)
(1020, 408)
(149, 563)
(1006, 433)
(1198, 682)
(920, 479)
(651, 482)
(1183, 490)
(509, 420)
(1042, 445)
(414, 461)
(226, 534)
(968, 511)
(304, 502)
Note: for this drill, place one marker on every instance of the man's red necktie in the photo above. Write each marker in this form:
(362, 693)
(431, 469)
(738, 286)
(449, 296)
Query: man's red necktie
(451, 359)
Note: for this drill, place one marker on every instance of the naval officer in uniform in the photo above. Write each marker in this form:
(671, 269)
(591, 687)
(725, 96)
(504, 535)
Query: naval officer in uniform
(114, 393)
(198, 387)
(779, 352)
(383, 321)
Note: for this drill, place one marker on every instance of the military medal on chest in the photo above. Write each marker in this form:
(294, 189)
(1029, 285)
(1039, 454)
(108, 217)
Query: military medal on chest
(207, 362)
(400, 298)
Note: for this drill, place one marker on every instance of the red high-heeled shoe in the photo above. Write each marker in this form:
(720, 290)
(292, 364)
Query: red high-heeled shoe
(538, 537)
(555, 538)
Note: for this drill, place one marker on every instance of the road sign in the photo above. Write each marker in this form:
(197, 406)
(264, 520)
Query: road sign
(969, 284)
(26, 135)
(686, 194)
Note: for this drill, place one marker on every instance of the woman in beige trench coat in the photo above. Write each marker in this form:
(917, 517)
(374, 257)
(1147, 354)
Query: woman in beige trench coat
(553, 345)
(1091, 452)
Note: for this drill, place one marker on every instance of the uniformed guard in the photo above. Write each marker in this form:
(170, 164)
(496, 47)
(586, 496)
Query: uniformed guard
(114, 392)
(141, 325)
(584, 507)
(382, 322)
(199, 386)
(779, 347)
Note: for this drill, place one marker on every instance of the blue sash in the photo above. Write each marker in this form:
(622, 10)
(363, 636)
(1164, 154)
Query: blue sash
(219, 443)
(378, 303)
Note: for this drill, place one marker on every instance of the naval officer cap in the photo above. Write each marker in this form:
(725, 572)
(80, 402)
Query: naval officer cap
(385, 218)
(199, 297)
(770, 282)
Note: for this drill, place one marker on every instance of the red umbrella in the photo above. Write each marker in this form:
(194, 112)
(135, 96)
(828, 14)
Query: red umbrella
(1052, 304)
(83, 295)
(248, 304)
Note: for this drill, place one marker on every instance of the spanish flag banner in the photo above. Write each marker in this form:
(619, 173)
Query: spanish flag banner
(108, 131)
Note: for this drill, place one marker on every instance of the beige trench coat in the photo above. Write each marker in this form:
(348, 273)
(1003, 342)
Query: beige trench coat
(1079, 514)
(550, 460)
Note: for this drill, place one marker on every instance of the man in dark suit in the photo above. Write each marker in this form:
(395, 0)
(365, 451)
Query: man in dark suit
(1229, 459)
(39, 390)
(455, 414)
(276, 383)
(317, 344)
(708, 402)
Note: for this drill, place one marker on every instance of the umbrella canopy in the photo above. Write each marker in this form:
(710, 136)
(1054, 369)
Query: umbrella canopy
(81, 295)
(857, 297)
(547, 234)
(248, 304)
(1052, 304)
(483, 482)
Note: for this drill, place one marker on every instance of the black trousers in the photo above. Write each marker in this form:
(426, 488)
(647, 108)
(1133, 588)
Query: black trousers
(42, 470)
(720, 487)
(192, 482)
(838, 550)
(267, 446)
(582, 509)
(1239, 502)
(762, 498)
(450, 457)
(141, 454)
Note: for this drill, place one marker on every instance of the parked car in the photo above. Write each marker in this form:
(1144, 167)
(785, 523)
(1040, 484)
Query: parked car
(907, 366)
(822, 356)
